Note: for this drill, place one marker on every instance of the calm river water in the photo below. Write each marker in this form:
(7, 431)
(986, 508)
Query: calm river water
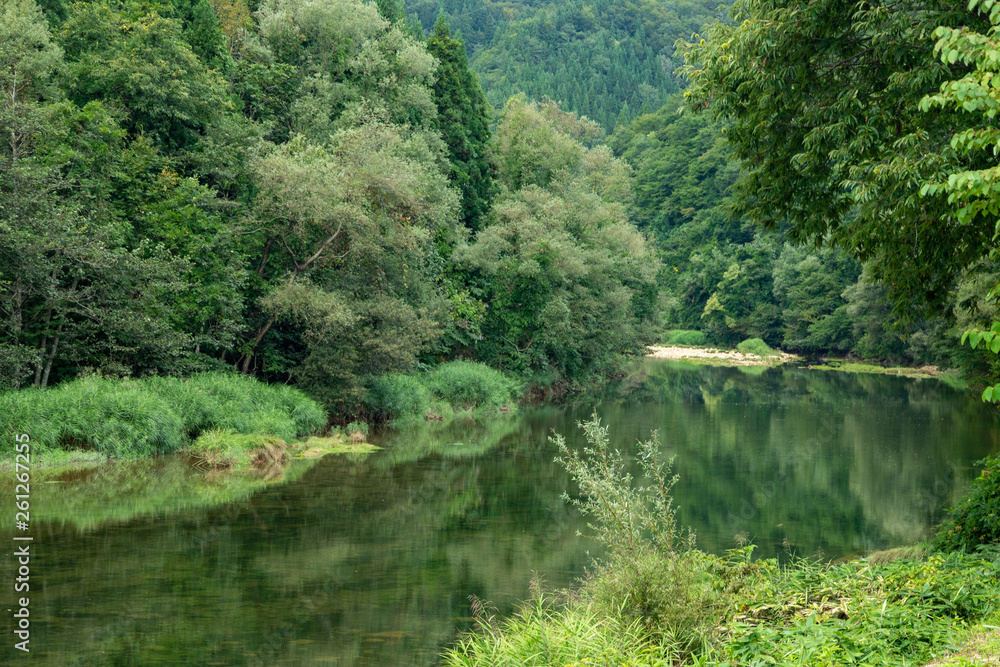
(371, 560)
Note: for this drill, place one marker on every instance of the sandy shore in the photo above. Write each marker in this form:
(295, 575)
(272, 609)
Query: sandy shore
(713, 356)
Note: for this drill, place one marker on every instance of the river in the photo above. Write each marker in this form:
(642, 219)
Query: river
(370, 560)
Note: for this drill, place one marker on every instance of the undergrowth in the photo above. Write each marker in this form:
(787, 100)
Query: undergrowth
(684, 337)
(451, 388)
(130, 418)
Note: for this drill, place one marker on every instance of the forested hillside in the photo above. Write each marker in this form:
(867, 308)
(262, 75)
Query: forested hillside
(608, 61)
(299, 189)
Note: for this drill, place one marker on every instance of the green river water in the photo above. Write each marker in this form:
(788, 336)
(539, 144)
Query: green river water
(370, 560)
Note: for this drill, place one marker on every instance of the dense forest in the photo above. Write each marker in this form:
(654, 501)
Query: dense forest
(302, 190)
(325, 193)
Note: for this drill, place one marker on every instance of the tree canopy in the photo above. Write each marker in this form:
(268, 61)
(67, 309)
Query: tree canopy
(821, 104)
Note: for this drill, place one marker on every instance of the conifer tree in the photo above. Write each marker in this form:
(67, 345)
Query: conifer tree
(463, 120)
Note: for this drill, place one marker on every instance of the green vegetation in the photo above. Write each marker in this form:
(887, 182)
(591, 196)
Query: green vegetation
(684, 337)
(756, 346)
(541, 633)
(310, 193)
(467, 385)
(125, 419)
(975, 520)
(457, 386)
(669, 601)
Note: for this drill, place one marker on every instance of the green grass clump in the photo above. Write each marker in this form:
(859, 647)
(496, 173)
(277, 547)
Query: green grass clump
(756, 346)
(468, 385)
(544, 633)
(130, 418)
(684, 337)
(903, 612)
(975, 520)
(397, 397)
(120, 419)
(223, 449)
(244, 405)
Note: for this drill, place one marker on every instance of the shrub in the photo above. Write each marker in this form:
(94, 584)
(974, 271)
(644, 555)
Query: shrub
(756, 346)
(652, 574)
(684, 337)
(356, 430)
(469, 385)
(975, 520)
(397, 397)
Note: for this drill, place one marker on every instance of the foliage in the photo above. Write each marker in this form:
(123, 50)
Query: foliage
(652, 574)
(569, 283)
(975, 520)
(822, 105)
(855, 613)
(397, 397)
(684, 337)
(463, 118)
(542, 633)
(345, 248)
(756, 346)
(125, 419)
(138, 60)
(468, 385)
(605, 61)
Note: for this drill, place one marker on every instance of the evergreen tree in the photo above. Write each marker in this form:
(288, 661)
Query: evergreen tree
(463, 120)
(391, 10)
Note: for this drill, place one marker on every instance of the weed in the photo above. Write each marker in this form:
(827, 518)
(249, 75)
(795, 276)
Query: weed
(397, 397)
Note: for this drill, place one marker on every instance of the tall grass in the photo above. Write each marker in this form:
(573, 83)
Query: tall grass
(129, 418)
(684, 337)
(457, 386)
(545, 633)
(397, 397)
(756, 346)
(469, 385)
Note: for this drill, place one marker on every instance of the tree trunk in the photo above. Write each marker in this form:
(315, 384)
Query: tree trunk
(52, 355)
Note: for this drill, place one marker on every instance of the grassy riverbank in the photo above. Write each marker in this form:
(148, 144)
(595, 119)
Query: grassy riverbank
(226, 419)
(98, 417)
(655, 599)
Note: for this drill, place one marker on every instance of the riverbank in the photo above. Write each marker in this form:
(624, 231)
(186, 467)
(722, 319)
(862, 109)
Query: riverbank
(719, 357)
(711, 355)
(656, 599)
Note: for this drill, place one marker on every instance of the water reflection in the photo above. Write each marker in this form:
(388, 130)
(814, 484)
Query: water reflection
(371, 561)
